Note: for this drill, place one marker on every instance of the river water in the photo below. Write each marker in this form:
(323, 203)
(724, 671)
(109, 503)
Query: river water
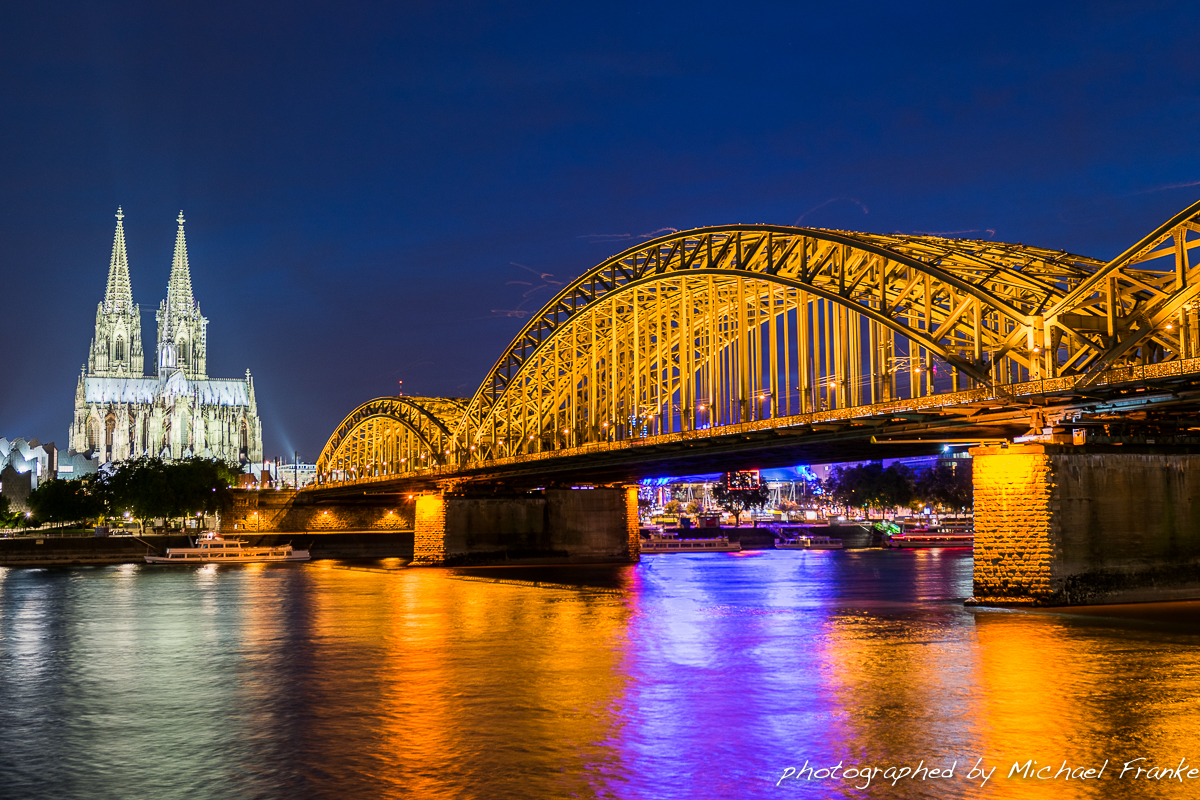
(684, 676)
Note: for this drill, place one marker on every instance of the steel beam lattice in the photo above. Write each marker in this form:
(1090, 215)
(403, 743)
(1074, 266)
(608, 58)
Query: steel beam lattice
(719, 327)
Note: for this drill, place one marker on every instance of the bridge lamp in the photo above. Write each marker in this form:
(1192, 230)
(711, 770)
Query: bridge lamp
(472, 447)
(1170, 326)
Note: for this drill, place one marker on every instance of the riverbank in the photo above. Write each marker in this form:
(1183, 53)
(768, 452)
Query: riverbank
(69, 551)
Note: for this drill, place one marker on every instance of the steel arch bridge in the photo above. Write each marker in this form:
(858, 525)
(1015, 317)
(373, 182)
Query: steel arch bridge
(731, 328)
(389, 436)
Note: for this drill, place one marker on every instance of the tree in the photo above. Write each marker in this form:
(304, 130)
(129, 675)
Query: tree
(8, 517)
(868, 486)
(947, 486)
(693, 507)
(673, 507)
(149, 488)
(73, 501)
(737, 494)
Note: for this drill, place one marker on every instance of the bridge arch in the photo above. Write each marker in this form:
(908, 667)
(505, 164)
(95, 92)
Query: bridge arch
(388, 436)
(716, 327)
(731, 324)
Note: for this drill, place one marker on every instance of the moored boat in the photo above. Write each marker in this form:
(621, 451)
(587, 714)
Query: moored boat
(927, 537)
(808, 543)
(219, 550)
(671, 543)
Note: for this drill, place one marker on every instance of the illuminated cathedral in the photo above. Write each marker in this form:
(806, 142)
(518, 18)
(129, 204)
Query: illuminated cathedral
(175, 412)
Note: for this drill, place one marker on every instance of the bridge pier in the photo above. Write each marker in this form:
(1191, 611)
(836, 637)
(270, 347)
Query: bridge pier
(546, 526)
(1058, 525)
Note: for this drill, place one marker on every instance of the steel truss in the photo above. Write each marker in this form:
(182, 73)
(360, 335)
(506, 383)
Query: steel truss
(390, 436)
(718, 327)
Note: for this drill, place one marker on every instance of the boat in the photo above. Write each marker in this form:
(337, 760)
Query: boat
(928, 537)
(219, 550)
(808, 543)
(671, 543)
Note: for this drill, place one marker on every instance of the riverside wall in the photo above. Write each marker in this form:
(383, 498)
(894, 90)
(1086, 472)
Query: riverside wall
(273, 511)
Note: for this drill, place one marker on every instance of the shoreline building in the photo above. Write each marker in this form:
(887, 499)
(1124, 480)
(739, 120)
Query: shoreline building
(176, 412)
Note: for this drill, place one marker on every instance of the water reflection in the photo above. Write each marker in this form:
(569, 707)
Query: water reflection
(684, 676)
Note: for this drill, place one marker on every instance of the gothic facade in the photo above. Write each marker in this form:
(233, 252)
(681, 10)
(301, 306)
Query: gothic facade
(175, 412)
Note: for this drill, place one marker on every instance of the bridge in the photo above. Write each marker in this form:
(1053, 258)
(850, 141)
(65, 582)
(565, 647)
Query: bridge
(769, 345)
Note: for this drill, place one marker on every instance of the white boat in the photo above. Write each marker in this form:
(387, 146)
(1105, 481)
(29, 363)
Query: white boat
(216, 549)
(671, 543)
(808, 543)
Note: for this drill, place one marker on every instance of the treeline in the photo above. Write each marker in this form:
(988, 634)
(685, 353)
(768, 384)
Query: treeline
(8, 517)
(868, 486)
(144, 488)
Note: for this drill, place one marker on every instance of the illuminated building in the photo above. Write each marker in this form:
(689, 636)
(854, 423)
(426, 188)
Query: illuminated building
(176, 412)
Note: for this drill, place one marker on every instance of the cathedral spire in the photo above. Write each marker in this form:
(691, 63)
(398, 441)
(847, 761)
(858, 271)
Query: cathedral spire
(118, 295)
(179, 288)
(182, 342)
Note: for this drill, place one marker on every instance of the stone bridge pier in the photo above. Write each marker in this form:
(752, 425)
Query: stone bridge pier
(1060, 525)
(545, 526)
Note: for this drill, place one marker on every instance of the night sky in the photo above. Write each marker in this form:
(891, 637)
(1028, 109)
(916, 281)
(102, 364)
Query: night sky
(385, 192)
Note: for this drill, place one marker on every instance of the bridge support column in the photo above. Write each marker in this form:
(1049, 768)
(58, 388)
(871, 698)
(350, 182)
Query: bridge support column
(429, 529)
(1060, 525)
(544, 527)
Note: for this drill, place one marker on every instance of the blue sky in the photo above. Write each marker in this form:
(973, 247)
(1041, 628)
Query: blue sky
(385, 192)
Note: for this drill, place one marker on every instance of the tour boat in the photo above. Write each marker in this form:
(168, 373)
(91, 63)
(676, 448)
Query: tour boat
(808, 543)
(928, 537)
(671, 543)
(215, 549)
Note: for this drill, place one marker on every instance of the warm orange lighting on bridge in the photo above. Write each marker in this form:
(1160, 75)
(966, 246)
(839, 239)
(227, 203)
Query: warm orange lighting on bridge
(800, 360)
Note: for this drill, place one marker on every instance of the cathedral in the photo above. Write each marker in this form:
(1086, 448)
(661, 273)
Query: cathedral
(176, 411)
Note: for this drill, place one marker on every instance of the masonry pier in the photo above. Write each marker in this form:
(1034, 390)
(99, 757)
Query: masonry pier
(1059, 525)
(450, 526)
(547, 526)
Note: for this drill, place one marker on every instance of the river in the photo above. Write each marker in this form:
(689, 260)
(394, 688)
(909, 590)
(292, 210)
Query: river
(684, 676)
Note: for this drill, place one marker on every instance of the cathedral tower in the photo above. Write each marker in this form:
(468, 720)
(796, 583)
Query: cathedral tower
(182, 337)
(116, 349)
(176, 412)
